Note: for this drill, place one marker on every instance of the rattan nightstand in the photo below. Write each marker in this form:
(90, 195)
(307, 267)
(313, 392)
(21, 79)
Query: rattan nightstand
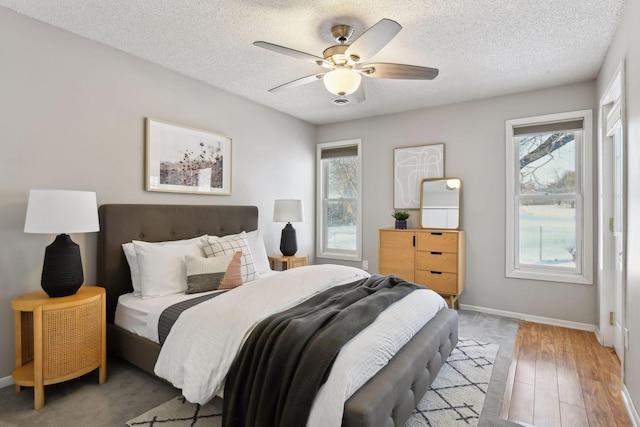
(281, 262)
(57, 339)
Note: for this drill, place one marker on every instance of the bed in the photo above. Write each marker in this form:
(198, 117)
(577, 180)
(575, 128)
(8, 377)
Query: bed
(387, 399)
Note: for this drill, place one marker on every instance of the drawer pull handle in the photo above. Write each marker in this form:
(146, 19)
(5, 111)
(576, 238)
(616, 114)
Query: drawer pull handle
(435, 272)
(436, 253)
(436, 234)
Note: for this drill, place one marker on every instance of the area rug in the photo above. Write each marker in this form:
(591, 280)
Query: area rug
(454, 399)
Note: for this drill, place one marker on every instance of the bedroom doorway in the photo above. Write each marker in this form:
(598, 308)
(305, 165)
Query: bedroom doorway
(611, 268)
(618, 238)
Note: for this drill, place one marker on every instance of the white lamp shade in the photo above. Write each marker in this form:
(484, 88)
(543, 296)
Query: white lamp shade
(342, 81)
(288, 210)
(61, 211)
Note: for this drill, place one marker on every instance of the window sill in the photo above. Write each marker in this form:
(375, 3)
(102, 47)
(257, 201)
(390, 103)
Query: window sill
(341, 257)
(570, 278)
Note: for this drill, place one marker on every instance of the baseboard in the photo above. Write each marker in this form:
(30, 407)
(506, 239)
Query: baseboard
(531, 318)
(633, 414)
(599, 335)
(6, 381)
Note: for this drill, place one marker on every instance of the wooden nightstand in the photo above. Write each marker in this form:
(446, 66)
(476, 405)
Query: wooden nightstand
(281, 262)
(57, 339)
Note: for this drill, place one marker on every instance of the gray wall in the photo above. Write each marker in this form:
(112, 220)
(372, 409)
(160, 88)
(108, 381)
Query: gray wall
(474, 137)
(72, 117)
(72, 114)
(625, 47)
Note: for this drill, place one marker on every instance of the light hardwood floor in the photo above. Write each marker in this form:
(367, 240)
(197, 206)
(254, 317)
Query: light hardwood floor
(563, 377)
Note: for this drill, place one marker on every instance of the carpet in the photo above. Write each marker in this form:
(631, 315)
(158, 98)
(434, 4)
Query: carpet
(454, 399)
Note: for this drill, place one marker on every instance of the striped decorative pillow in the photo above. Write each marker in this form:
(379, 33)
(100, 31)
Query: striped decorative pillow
(208, 274)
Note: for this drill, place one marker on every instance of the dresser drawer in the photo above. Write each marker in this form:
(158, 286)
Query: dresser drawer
(437, 241)
(445, 283)
(437, 261)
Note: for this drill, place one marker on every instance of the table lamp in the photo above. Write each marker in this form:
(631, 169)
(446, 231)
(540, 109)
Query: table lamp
(288, 210)
(61, 212)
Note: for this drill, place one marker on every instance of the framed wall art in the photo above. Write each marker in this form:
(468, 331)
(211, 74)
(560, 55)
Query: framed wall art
(186, 160)
(410, 166)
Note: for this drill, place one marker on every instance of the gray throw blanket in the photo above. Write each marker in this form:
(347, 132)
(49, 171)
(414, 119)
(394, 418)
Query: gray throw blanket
(275, 377)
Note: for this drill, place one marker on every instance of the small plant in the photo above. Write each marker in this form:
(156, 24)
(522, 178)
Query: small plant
(400, 215)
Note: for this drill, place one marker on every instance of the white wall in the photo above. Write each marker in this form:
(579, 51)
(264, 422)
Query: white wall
(625, 47)
(72, 117)
(474, 137)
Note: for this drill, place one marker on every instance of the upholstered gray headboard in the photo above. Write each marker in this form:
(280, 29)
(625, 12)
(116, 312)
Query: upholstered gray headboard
(121, 223)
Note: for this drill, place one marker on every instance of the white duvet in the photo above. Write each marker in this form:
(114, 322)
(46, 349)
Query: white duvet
(204, 341)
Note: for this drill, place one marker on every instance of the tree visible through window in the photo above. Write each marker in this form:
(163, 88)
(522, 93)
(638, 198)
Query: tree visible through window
(339, 200)
(548, 198)
(342, 202)
(549, 216)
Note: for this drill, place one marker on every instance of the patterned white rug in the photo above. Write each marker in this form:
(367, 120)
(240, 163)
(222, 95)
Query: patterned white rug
(454, 399)
(456, 396)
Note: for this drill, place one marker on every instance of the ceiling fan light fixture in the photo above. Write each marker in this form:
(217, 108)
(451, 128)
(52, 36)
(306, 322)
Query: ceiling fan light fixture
(342, 81)
(340, 101)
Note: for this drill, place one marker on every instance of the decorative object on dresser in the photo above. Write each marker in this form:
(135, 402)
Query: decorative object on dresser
(401, 219)
(440, 203)
(288, 210)
(282, 263)
(58, 339)
(61, 211)
(410, 166)
(433, 258)
(186, 160)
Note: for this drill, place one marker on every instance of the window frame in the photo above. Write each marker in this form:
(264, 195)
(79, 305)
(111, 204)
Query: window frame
(583, 273)
(321, 205)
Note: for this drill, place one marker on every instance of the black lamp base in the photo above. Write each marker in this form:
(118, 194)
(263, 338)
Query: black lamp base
(288, 242)
(62, 271)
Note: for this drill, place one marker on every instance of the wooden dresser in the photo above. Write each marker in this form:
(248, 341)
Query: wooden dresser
(429, 257)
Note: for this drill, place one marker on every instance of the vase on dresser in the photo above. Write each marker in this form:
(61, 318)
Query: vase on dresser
(401, 224)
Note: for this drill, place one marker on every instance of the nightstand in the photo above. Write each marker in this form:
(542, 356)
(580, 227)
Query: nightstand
(281, 262)
(58, 339)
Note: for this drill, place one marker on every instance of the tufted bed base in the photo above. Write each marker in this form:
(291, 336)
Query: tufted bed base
(386, 400)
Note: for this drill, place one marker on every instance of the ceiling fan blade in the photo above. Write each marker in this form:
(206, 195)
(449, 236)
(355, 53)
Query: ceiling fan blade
(289, 52)
(383, 70)
(373, 40)
(298, 82)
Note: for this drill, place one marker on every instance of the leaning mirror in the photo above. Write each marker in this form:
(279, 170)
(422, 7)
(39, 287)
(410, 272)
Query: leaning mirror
(440, 203)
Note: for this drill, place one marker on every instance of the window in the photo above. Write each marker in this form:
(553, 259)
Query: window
(549, 216)
(339, 200)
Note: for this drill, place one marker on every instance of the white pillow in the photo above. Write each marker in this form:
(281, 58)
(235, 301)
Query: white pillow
(163, 269)
(132, 259)
(214, 246)
(130, 253)
(258, 252)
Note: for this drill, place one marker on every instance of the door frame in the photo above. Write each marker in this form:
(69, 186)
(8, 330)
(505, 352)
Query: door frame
(606, 245)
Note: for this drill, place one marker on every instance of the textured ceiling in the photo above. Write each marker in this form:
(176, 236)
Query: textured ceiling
(482, 48)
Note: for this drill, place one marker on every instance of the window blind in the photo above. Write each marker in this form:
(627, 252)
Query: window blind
(346, 151)
(552, 127)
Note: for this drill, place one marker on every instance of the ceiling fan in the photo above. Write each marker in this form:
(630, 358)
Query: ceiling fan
(346, 62)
